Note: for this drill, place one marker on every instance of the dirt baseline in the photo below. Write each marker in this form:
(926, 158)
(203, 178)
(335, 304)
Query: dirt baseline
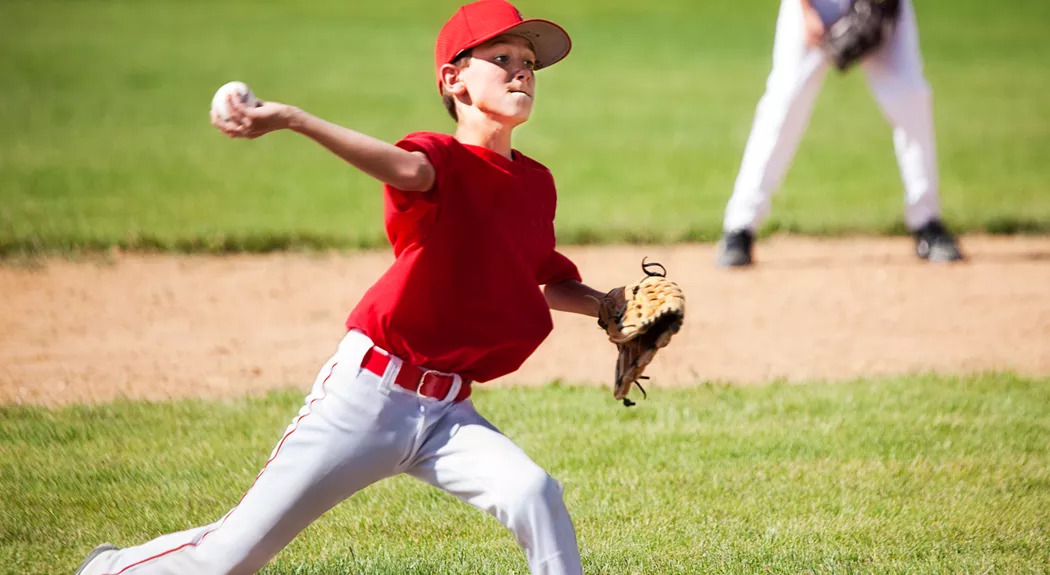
(164, 326)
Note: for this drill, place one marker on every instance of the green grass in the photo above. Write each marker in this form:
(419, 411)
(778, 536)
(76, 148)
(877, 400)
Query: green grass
(913, 475)
(104, 138)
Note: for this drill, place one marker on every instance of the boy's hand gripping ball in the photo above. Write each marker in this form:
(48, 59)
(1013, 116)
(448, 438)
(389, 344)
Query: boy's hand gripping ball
(238, 90)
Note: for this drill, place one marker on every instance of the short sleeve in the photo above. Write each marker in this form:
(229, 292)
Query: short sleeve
(435, 146)
(409, 214)
(558, 268)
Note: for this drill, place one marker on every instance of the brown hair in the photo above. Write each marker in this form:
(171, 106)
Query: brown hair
(447, 99)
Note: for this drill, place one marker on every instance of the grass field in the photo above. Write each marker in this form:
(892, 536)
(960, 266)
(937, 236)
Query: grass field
(104, 138)
(915, 475)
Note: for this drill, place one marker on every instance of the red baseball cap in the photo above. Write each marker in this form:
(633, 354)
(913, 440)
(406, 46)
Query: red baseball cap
(481, 21)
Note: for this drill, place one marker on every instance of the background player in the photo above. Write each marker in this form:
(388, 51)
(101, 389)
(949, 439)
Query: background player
(894, 72)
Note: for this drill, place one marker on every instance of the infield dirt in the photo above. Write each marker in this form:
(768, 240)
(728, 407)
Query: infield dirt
(167, 326)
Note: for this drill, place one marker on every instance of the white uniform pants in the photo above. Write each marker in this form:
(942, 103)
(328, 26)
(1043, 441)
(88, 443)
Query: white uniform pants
(355, 429)
(894, 72)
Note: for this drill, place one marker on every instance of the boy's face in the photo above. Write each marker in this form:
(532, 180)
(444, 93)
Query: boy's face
(500, 78)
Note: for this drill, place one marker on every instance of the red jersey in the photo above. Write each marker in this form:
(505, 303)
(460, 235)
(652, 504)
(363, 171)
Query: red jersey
(463, 294)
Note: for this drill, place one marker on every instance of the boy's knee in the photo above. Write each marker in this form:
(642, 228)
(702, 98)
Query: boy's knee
(535, 493)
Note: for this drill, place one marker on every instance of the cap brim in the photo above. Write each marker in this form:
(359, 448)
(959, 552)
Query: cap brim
(550, 41)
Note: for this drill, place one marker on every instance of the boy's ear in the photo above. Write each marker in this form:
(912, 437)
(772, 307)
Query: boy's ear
(451, 81)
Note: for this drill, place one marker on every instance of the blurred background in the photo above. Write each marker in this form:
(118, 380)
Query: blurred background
(105, 140)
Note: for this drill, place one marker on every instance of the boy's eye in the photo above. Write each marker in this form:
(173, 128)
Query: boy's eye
(504, 60)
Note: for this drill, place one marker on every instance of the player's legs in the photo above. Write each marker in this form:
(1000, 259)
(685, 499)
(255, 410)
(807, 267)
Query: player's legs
(468, 457)
(348, 435)
(780, 120)
(895, 75)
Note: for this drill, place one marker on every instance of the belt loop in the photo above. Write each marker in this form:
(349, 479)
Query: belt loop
(390, 375)
(453, 392)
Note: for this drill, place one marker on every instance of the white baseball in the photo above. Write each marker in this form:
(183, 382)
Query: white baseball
(239, 90)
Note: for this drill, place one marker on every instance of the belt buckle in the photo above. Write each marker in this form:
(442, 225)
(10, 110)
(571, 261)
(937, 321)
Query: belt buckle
(453, 390)
(423, 380)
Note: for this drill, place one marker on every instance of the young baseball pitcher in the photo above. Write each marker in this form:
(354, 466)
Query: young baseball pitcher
(471, 223)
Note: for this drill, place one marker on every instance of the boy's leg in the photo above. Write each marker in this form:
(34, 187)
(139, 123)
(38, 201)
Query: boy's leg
(332, 449)
(780, 120)
(468, 457)
(895, 75)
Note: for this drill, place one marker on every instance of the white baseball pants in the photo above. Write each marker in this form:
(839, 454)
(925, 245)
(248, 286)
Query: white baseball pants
(894, 73)
(355, 429)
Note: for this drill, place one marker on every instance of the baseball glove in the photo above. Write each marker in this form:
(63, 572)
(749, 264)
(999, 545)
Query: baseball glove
(863, 28)
(640, 319)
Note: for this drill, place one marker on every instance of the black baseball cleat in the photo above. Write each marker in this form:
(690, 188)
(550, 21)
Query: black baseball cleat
(735, 249)
(933, 242)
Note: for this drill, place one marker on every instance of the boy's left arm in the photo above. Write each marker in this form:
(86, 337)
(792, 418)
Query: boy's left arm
(573, 296)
